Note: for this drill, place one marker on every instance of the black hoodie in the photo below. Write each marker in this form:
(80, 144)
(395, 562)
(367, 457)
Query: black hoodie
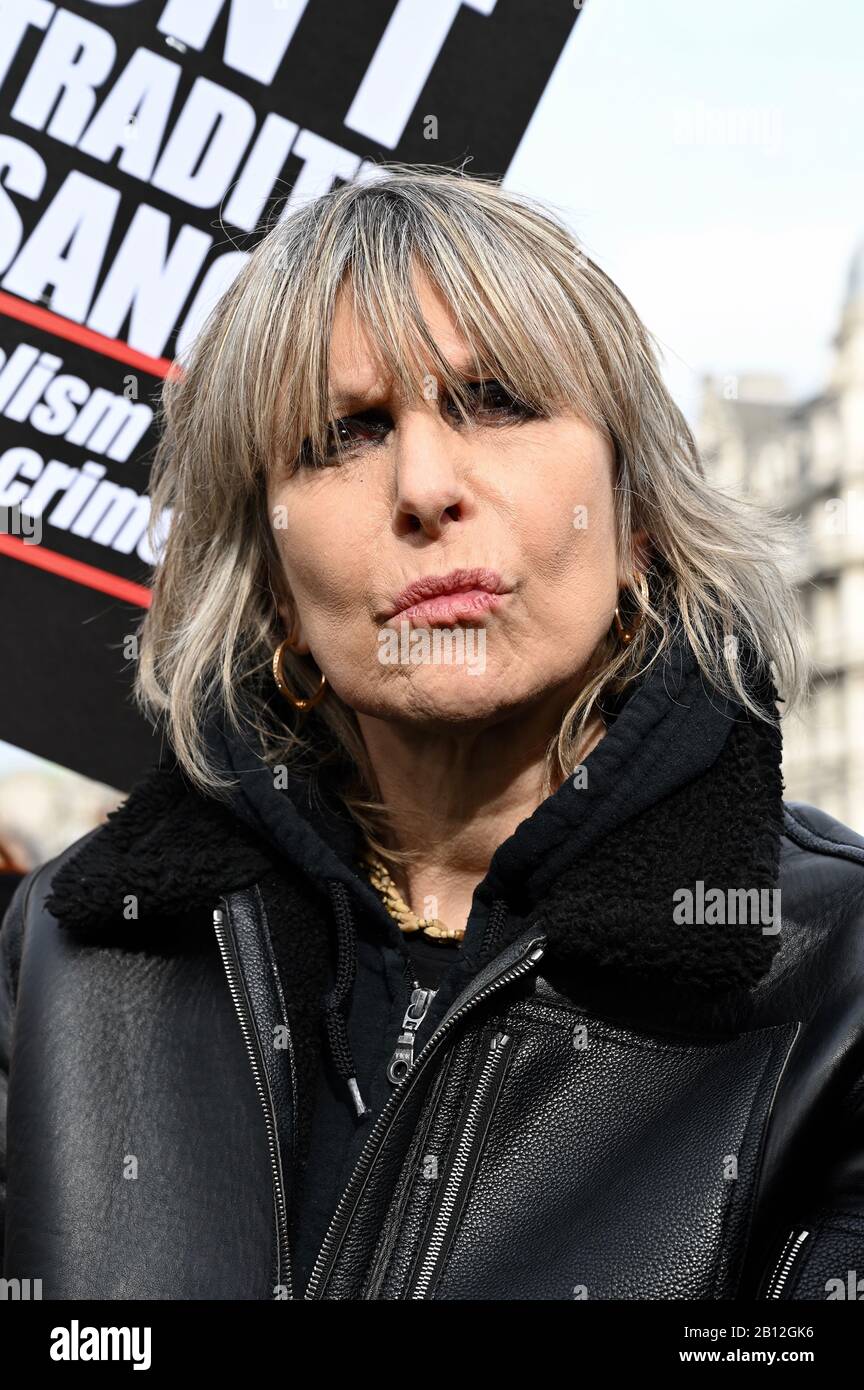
(667, 732)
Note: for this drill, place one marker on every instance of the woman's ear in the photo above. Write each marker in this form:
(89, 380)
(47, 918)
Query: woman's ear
(293, 628)
(642, 551)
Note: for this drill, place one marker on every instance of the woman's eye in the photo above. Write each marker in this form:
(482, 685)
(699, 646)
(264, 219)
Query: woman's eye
(492, 399)
(356, 429)
(487, 401)
(346, 434)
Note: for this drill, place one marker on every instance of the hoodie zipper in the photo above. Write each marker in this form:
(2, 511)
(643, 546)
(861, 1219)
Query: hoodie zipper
(403, 1056)
(418, 1006)
(253, 1050)
(785, 1263)
(533, 953)
(451, 1201)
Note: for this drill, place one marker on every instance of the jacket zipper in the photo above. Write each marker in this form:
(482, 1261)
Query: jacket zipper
(789, 1253)
(476, 1121)
(403, 1055)
(378, 1270)
(783, 1268)
(253, 1050)
(533, 953)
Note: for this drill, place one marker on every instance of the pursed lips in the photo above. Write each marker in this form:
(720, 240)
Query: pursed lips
(454, 597)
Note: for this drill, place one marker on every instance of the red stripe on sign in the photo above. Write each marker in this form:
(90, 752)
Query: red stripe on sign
(76, 570)
(38, 317)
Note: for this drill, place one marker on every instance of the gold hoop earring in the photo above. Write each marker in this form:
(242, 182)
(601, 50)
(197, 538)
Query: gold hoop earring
(285, 690)
(626, 635)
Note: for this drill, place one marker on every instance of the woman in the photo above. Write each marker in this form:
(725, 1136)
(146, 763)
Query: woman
(461, 946)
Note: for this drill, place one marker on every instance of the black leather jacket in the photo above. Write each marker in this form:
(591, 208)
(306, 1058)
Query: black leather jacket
(576, 1155)
(608, 1102)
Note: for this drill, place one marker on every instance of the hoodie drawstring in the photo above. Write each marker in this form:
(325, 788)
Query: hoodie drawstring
(336, 1002)
(495, 927)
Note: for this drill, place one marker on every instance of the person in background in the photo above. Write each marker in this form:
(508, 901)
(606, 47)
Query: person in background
(11, 874)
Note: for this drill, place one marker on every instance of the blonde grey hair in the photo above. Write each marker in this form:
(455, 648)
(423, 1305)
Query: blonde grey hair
(545, 319)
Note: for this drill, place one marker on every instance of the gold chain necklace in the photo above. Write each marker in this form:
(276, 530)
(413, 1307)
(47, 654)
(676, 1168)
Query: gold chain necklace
(406, 920)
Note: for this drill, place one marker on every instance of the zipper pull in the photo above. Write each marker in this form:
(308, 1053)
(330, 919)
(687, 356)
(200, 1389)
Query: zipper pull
(403, 1056)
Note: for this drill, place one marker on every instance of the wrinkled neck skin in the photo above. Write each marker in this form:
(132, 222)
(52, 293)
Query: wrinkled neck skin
(456, 793)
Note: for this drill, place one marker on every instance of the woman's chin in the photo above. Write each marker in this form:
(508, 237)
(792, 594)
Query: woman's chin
(449, 697)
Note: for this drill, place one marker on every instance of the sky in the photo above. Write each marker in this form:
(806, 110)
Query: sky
(710, 158)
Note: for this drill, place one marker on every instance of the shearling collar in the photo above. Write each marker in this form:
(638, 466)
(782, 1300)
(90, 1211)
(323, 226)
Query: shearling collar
(621, 910)
(683, 790)
(167, 845)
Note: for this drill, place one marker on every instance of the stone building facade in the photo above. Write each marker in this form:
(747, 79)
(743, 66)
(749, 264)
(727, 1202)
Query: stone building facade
(807, 457)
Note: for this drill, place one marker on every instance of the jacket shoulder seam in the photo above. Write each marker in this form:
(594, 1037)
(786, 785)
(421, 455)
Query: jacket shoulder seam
(807, 838)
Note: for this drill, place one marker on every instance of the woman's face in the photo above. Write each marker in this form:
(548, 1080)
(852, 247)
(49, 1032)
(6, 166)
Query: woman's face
(527, 504)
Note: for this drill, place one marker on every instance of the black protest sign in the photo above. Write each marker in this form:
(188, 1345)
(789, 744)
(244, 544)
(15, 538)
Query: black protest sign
(143, 143)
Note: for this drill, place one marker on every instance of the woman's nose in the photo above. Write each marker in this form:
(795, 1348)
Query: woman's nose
(430, 487)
